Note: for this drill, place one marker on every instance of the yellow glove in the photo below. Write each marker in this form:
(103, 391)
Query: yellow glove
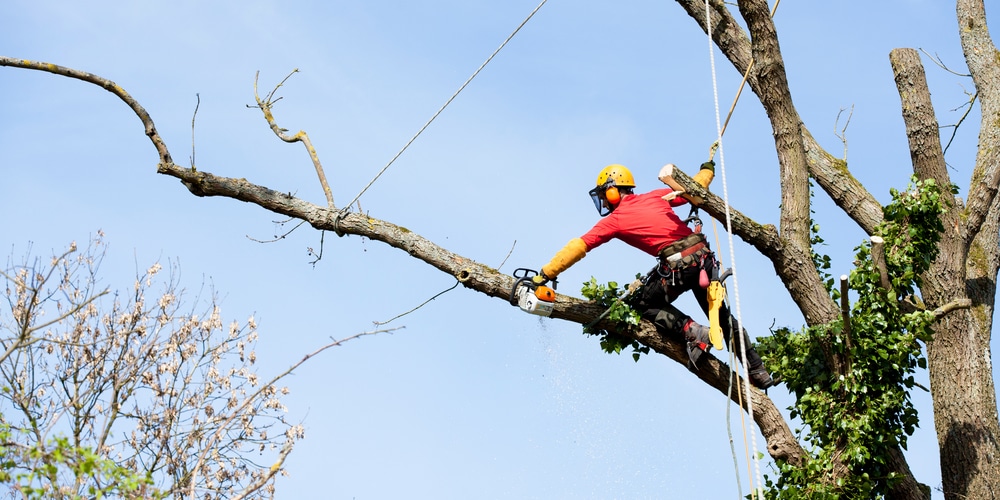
(570, 254)
(705, 174)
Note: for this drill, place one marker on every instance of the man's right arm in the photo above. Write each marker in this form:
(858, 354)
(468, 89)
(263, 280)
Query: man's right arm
(570, 254)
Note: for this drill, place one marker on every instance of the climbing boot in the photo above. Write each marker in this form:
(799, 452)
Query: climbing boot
(698, 343)
(760, 378)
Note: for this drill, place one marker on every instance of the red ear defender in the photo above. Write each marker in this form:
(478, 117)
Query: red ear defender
(613, 196)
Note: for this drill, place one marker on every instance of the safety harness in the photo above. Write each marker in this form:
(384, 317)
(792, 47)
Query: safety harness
(691, 251)
(686, 252)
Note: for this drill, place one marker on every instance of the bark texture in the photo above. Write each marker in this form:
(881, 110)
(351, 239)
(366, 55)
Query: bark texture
(965, 407)
(960, 358)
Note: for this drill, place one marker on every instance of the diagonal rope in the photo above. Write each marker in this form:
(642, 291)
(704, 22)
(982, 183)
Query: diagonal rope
(445, 105)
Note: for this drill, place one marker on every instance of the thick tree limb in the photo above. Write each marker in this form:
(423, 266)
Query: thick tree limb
(923, 134)
(829, 172)
(965, 411)
(789, 251)
(832, 175)
(793, 265)
(479, 277)
(981, 55)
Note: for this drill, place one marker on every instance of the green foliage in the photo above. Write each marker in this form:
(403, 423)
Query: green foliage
(853, 391)
(821, 261)
(36, 472)
(618, 312)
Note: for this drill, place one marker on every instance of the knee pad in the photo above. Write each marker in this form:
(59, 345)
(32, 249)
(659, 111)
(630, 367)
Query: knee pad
(670, 319)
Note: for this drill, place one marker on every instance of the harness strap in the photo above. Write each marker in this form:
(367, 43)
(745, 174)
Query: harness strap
(686, 252)
(681, 244)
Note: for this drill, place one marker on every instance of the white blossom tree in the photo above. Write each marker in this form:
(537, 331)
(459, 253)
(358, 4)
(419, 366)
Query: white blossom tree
(139, 393)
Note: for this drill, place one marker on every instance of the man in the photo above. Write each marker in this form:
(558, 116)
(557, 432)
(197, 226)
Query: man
(648, 222)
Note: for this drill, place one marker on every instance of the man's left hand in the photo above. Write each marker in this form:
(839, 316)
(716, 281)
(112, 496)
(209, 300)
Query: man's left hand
(673, 194)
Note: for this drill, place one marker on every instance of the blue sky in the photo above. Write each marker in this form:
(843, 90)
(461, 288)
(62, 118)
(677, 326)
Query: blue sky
(472, 399)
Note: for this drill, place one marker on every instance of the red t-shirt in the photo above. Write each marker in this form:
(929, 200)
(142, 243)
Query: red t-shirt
(644, 221)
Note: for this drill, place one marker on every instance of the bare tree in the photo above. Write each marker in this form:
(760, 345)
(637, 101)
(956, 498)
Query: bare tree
(141, 384)
(960, 285)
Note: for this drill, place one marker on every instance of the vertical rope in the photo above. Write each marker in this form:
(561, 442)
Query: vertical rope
(732, 251)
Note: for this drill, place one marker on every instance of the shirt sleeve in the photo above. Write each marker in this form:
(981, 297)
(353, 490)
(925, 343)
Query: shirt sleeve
(602, 232)
(678, 201)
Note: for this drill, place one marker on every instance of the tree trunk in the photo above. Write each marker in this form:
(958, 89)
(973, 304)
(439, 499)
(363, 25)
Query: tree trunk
(959, 356)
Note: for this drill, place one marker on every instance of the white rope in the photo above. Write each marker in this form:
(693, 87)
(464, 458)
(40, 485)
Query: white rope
(452, 98)
(732, 251)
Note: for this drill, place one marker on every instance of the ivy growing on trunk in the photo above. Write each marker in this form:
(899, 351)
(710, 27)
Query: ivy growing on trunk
(852, 385)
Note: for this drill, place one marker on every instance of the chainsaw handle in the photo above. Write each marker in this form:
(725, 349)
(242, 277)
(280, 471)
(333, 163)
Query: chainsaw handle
(726, 274)
(523, 273)
(513, 289)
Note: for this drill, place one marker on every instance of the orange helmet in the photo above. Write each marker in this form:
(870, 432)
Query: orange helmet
(606, 195)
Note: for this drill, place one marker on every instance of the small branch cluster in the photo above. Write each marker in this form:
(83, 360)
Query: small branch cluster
(168, 393)
(265, 106)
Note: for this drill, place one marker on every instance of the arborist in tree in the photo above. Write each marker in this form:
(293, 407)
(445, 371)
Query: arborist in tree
(648, 222)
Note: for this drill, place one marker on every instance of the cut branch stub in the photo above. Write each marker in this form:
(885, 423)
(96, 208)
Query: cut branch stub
(666, 176)
(878, 260)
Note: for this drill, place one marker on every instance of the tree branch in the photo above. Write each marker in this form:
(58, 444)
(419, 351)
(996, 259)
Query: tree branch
(954, 305)
(830, 172)
(473, 275)
(792, 264)
(239, 412)
(161, 147)
(265, 106)
(980, 54)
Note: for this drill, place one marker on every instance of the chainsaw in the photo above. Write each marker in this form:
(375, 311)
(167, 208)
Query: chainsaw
(531, 297)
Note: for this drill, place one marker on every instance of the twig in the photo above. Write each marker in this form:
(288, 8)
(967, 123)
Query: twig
(239, 413)
(968, 109)
(265, 106)
(261, 481)
(422, 304)
(509, 252)
(193, 116)
(319, 256)
(842, 134)
(937, 60)
(278, 237)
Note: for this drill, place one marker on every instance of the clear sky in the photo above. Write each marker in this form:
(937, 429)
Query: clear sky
(473, 398)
